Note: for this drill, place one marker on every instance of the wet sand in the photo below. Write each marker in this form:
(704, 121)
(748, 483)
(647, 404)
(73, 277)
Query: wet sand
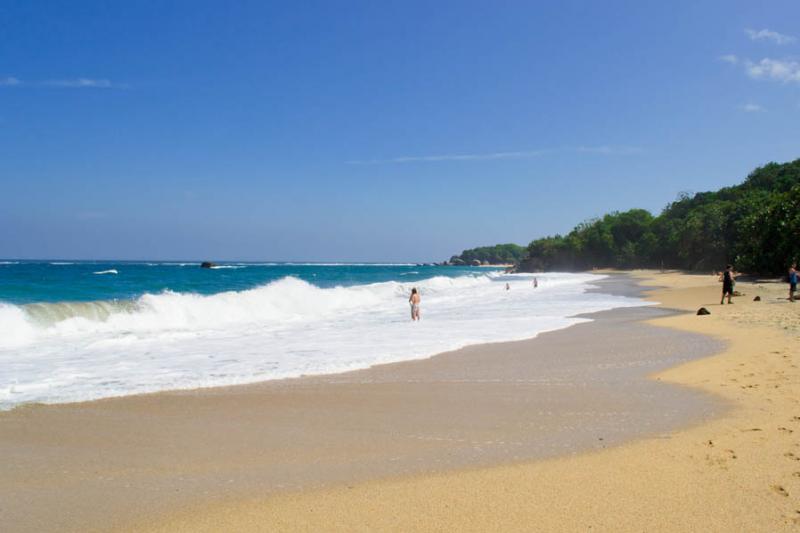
(737, 472)
(145, 461)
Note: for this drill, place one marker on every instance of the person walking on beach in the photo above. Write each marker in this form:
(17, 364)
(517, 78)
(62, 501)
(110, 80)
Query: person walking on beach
(414, 300)
(792, 281)
(535, 282)
(508, 287)
(727, 278)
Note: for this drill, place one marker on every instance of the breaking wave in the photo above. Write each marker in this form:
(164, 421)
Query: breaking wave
(287, 299)
(74, 351)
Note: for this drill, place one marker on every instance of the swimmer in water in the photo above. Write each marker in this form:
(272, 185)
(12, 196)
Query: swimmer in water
(414, 300)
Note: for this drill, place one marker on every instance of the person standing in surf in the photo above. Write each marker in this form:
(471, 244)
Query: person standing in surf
(414, 300)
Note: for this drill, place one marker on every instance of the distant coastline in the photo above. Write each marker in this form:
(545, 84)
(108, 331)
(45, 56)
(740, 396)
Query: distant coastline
(744, 225)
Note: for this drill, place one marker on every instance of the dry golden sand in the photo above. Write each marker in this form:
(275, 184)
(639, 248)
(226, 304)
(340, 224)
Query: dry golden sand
(740, 472)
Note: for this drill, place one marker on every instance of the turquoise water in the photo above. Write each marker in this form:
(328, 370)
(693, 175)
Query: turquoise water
(23, 282)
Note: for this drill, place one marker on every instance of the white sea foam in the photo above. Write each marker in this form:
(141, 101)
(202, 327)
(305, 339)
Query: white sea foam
(15, 329)
(61, 263)
(109, 271)
(80, 351)
(9, 262)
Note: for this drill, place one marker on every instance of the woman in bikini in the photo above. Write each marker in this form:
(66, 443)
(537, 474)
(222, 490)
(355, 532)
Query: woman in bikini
(414, 300)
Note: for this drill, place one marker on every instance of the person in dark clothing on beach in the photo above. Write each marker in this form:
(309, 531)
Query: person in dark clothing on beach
(792, 281)
(727, 278)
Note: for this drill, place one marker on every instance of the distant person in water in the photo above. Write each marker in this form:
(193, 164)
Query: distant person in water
(414, 300)
(727, 278)
(792, 281)
(535, 282)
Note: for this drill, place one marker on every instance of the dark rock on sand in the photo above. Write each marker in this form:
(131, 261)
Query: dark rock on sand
(703, 311)
(757, 299)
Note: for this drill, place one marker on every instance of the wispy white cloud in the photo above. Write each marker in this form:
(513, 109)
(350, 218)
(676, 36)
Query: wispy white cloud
(84, 83)
(751, 108)
(451, 157)
(601, 150)
(90, 215)
(610, 150)
(729, 58)
(70, 83)
(769, 35)
(783, 70)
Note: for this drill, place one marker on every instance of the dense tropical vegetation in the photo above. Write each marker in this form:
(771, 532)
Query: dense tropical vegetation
(754, 225)
(499, 254)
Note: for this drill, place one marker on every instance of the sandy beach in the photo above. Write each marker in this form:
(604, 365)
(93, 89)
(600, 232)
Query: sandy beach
(412, 267)
(628, 422)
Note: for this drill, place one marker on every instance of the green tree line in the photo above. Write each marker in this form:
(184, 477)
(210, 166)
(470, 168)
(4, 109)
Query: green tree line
(755, 226)
(497, 254)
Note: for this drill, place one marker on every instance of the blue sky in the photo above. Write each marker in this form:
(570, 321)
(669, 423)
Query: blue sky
(374, 130)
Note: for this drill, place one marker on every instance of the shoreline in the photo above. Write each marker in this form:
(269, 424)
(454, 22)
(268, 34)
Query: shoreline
(169, 451)
(72, 352)
(737, 471)
(418, 351)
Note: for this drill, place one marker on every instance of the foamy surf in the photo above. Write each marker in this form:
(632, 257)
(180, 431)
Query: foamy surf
(110, 271)
(73, 351)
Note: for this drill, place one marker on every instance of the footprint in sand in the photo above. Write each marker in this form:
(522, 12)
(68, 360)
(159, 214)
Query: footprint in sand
(796, 474)
(752, 429)
(791, 456)
(780, 490)
(731, 453)
(785, 430)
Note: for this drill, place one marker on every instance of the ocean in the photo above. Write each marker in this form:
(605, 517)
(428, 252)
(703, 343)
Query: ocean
(76, 331)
